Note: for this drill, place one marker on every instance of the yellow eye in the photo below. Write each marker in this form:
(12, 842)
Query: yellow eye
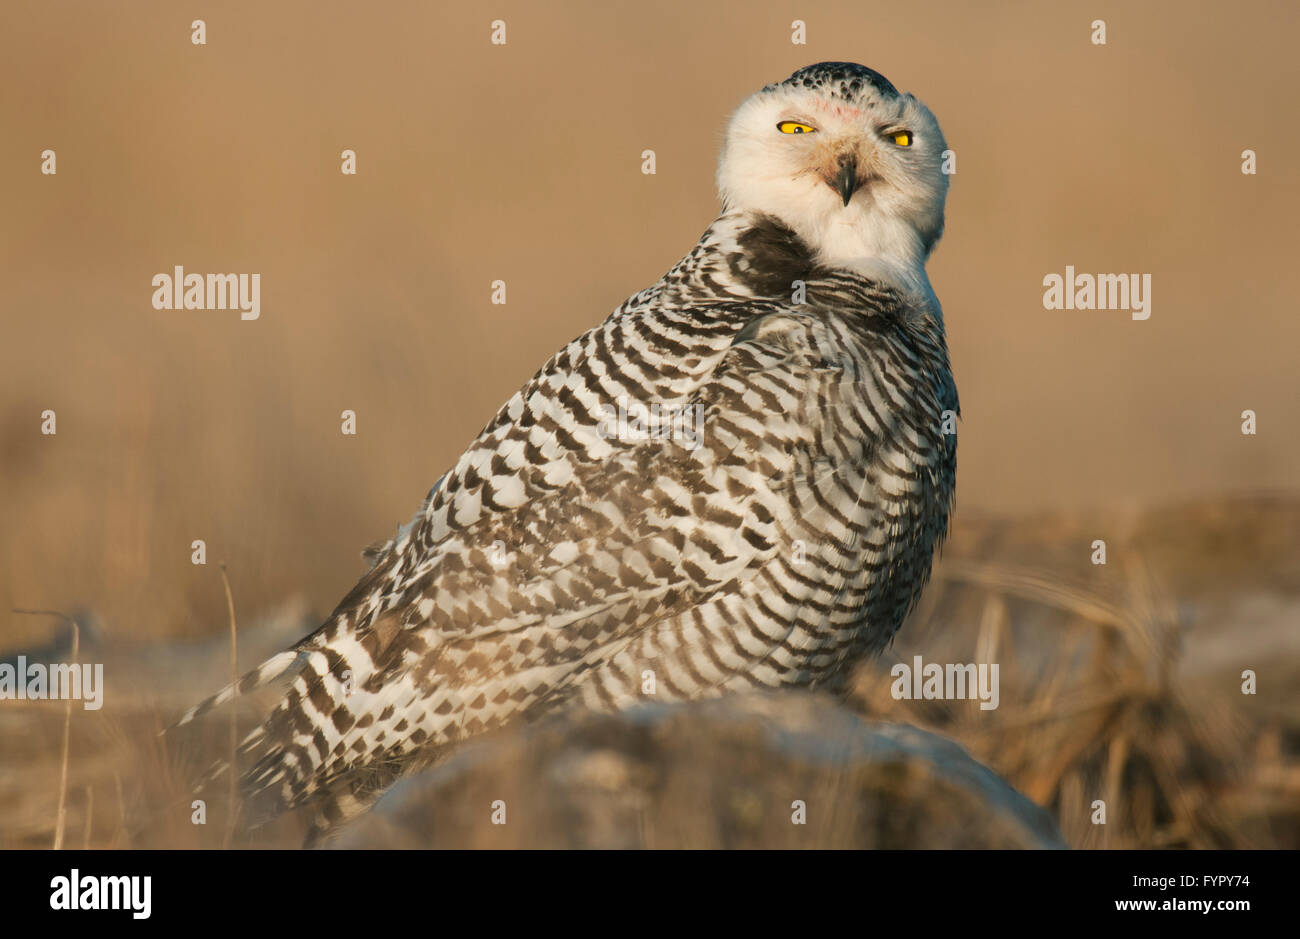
(794, 127)
(903, 138)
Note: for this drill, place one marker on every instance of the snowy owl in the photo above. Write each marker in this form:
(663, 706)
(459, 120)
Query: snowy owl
(737, 480)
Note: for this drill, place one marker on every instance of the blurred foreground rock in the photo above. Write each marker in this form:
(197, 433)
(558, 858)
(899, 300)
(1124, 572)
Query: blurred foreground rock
(715, 774)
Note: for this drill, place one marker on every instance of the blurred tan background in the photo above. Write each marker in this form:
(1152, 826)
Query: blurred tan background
(522, 162)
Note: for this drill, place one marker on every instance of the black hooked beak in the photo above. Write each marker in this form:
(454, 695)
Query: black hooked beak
(846, 181)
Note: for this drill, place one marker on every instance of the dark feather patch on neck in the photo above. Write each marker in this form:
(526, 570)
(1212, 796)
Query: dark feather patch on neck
(771, 259)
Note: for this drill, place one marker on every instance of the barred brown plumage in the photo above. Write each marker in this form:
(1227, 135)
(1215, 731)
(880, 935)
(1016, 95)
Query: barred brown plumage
(562, 563)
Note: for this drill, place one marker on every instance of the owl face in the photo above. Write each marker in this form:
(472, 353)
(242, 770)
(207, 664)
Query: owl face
(843, 158)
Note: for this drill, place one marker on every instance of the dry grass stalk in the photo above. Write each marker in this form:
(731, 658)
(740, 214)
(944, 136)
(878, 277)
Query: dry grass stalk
(234, 712)
(63, 769)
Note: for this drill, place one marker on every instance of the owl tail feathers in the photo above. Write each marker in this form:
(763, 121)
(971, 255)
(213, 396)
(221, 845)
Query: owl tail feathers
(263, 675)
(273, 668)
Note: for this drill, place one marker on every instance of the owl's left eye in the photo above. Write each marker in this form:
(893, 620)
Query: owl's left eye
(902, 137)
(795, 127)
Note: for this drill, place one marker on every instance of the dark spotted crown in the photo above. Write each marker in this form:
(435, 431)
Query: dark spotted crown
(845, 80)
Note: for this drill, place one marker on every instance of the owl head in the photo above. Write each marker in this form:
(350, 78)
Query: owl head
(852, 165)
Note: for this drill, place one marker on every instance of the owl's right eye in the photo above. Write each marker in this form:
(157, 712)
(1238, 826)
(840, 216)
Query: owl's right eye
(795, 127)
